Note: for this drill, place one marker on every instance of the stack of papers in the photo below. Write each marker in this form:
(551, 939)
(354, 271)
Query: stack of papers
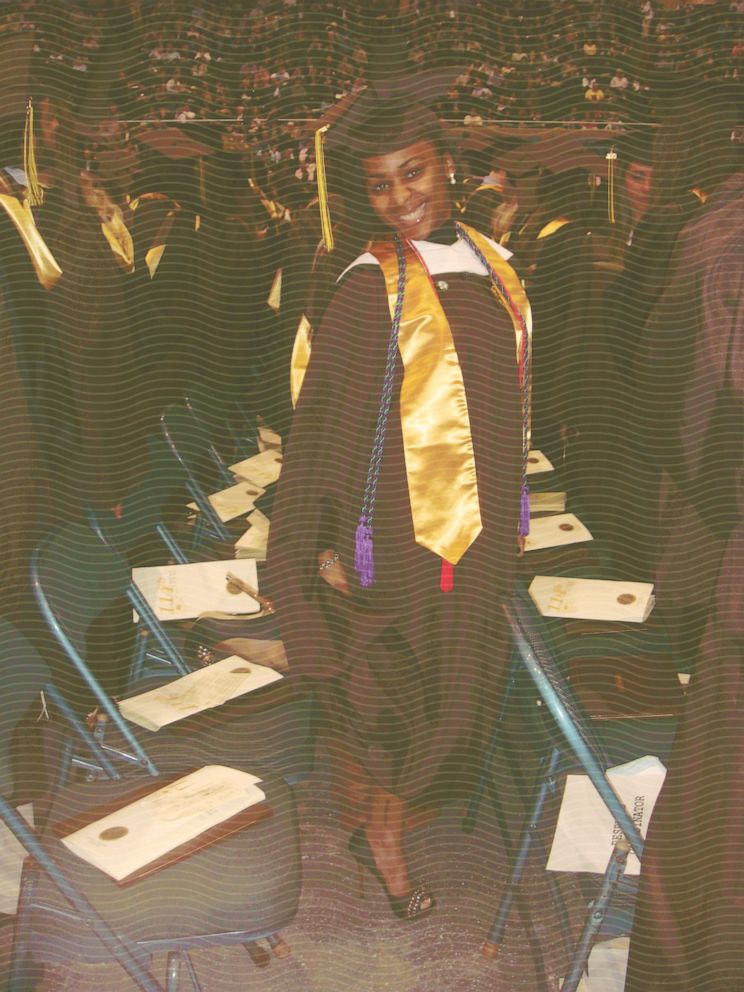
(183, 592)
(538, 462)
(547, 502)
(253, 543)
(196, 692)
(553, 532)
(592, 599)
(262, 470)
(269, 440)
(234, 501)
(586, 832)
(123, 842)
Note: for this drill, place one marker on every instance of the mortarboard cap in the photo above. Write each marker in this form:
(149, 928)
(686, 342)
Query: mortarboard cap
(172, 143)
(17, 143)
(117, 168)
(559, 153)
(636, 146)
(172, 162)
(388, 115)
(16, 50)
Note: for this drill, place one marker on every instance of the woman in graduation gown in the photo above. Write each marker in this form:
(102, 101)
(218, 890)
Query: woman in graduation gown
(395, 528)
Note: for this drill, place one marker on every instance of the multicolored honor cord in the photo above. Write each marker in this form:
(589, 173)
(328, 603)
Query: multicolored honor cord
(364, 560)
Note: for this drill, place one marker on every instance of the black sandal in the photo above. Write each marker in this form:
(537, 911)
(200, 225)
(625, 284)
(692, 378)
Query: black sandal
(409, 907)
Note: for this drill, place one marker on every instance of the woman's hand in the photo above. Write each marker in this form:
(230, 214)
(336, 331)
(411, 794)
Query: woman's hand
(332, 571)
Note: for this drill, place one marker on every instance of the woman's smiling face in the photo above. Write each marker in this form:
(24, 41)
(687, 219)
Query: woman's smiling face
(409, 189)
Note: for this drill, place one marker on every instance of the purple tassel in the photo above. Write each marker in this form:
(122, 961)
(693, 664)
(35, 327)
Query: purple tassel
(364, 559)
(524, 511)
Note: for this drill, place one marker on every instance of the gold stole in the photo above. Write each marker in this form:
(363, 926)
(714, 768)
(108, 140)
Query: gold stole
(300, 358)
(440, 462)
(45, 265)
(437, 441)
(156, 250)
(117, 234)
(551, 227)
(113, 228)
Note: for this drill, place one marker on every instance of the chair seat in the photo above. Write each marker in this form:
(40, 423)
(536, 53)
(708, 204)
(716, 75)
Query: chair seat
(269, 730)
(258, 870)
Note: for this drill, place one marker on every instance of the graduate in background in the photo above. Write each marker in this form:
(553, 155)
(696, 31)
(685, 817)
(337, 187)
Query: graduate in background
(398, 513)
(689, 925)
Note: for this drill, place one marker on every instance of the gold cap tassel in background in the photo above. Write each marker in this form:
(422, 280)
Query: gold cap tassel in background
(320, 175)
(34, 188)
(611, 159)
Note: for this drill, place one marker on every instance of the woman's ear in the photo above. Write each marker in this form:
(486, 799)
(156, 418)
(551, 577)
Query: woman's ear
(449, 168)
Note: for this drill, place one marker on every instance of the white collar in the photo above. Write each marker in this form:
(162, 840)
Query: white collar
(440, 259)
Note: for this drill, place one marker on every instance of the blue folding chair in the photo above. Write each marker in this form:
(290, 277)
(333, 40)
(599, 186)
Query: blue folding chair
(231, 425)
(203, 470)
(77, 579)
(574, 744)
(241, 889)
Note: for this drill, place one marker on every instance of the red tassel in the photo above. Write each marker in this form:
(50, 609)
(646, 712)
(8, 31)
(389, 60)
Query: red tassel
(447, 577)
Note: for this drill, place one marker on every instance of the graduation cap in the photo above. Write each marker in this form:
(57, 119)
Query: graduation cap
(172, 162)
(559, 153)
(17, 144)
(636, 146)
(118, 168)
(388, 115)
(172, 143)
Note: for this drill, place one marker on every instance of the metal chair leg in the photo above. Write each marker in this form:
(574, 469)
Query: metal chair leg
(172, 971)
(598, 910)
(492, 946)
(186, 958)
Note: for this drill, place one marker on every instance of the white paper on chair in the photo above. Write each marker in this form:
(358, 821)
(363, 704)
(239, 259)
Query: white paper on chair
(261, 469)
(12, 856)
(592, 599)
(253, 543)
(547, 502)
(123, 842)
(269, 440)
(606, 967)
(586, 833)
(553, 532)
(234, 501)
(538, 462)
(182, 592)
(196, 692)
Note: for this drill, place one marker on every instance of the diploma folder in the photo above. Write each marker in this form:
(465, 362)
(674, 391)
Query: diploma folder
(234, 501)
(555, 531)
(262, 469)
(592, 599)
(166, 822)
(184, 592)
(198, 691)
(537, 462)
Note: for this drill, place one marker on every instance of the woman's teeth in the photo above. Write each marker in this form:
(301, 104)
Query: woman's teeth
(414, 216)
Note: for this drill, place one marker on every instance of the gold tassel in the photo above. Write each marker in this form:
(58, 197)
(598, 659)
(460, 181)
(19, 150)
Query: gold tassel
(320, 175)
(611, 157)
(35, 192)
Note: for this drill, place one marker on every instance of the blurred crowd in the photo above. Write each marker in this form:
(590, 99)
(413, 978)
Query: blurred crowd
(264, 70)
